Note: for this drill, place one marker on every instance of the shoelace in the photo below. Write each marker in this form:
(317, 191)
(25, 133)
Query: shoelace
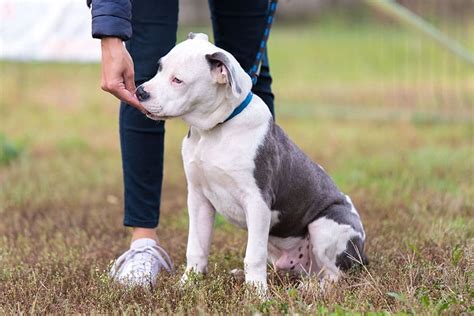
(155, 251)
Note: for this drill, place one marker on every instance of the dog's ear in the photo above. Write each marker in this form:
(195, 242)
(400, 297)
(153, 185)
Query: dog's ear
(200, 36)
(223, 71)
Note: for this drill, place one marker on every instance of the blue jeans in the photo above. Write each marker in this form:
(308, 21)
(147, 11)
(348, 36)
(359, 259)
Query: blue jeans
(238, 27)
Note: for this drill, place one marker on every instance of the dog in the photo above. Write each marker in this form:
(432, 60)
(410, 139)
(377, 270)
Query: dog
(245, 167)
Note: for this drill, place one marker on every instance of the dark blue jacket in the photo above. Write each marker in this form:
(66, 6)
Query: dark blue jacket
(111, 18)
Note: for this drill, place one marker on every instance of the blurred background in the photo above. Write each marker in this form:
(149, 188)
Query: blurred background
(382, 98)
(348, 52)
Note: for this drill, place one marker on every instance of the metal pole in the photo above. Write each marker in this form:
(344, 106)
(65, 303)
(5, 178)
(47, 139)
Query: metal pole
(408, 18)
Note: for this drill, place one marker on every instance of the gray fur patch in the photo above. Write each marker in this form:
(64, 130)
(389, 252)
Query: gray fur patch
(298, 188)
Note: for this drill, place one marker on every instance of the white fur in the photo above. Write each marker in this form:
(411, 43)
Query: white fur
(329, 239)
(223, 176)
(198, 100)
(219, 160)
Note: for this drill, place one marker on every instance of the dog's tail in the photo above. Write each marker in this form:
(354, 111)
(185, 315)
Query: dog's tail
(353, 255)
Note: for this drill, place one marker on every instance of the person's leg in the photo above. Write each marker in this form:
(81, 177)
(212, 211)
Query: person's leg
(238, 28)
(154, 26)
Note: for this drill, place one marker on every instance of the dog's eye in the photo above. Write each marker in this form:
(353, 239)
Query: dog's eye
(176, 80)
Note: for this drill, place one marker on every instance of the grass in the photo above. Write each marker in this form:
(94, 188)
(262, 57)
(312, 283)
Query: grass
(392, 124)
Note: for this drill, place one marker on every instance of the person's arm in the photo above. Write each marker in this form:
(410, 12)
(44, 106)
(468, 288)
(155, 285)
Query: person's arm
(111, 22)
(111, 18)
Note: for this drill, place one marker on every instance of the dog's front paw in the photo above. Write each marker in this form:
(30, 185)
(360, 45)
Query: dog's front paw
(190, 277)
(258, 287)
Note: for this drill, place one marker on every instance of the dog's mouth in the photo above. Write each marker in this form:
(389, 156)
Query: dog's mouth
(156, 117)
(153, 115)
(150, 115)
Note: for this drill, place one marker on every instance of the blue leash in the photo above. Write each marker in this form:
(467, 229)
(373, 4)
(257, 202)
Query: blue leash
(255, 70)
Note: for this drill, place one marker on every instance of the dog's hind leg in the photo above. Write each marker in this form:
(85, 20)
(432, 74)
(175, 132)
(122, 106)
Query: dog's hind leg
(337, 241)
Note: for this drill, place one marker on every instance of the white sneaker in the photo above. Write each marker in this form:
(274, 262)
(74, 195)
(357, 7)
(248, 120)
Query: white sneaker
(140, 265)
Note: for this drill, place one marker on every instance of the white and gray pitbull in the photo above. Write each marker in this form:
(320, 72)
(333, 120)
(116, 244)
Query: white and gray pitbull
(248, 170)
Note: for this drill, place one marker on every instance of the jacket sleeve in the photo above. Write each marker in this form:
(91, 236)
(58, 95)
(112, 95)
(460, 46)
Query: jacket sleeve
(112, 18)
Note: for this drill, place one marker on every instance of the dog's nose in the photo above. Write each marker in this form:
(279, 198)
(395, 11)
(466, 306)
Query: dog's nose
(142, 95)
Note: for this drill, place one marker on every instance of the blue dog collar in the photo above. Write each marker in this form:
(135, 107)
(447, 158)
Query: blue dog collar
(241, 107)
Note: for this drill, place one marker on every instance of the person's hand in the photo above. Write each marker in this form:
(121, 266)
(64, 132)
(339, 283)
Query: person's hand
(117, 72)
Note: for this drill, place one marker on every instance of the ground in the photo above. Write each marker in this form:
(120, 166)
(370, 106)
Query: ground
(388, 115)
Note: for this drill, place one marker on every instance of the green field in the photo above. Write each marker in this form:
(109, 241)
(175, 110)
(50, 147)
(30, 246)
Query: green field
(387, 113)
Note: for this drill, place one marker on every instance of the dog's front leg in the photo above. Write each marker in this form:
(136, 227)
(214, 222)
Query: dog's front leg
(201, 222)
(255, 263)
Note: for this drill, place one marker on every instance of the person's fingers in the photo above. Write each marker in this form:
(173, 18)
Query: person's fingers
(119, 91)
(128, 97)
(118, 78)
(123, 94)
(129, 80)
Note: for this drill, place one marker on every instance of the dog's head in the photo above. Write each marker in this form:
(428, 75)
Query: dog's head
(196, 81)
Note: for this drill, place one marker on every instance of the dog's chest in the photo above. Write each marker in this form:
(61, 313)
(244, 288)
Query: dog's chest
(221, 169)
(222, 180)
